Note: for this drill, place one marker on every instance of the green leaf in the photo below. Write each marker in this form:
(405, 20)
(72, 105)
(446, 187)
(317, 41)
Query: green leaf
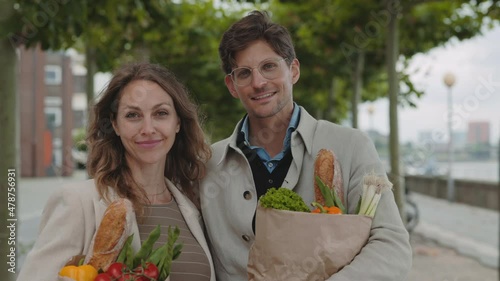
(147, 246)
(123, 253)
(326, 192)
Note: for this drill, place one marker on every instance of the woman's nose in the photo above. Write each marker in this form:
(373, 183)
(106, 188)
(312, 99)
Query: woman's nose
(147, 126)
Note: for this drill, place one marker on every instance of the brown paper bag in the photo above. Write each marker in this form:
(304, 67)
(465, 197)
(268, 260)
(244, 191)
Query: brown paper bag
(303, 246)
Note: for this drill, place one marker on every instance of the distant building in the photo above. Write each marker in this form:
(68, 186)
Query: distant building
(478, 132)
(424, 136)
(478, 140)
(45, 90)
(433, 144)
(459, 139)
(79, 101)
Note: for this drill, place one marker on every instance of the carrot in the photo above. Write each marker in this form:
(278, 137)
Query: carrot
(320, 209)
(333, 210)
(316, 211)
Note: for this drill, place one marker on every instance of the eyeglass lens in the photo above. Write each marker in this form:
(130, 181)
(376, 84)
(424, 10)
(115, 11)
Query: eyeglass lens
(269, 69)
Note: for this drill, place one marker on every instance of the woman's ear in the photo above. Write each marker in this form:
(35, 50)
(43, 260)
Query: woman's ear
(115, 127)
(230, 86)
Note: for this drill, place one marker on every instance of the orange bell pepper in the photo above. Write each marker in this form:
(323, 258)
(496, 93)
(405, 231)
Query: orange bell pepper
(84, 272)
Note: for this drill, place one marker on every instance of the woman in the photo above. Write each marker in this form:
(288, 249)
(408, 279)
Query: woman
(145, 144)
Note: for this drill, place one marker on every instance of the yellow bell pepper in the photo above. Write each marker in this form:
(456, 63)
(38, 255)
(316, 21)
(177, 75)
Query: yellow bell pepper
(84, 272)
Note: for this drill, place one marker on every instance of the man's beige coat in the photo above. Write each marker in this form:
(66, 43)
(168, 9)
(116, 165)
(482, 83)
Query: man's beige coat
(228, 201)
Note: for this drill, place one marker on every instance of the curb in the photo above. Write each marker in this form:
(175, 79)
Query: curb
(484, 253)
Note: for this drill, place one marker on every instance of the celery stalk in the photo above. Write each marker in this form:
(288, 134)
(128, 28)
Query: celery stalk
(373, 205)
(367, 200)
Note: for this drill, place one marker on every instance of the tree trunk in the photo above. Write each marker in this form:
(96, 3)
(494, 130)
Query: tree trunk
(8, 161)
(392, 53)
(357, 81)
(91, 66)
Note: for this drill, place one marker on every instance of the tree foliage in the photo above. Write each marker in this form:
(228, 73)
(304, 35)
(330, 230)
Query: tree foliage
(330, 34)
(183, 35)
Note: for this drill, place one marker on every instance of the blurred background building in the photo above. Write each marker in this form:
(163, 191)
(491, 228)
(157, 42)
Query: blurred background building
(51, 85)
(478, 140)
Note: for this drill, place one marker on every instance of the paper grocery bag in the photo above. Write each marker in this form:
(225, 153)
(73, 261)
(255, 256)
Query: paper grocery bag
(304, 246)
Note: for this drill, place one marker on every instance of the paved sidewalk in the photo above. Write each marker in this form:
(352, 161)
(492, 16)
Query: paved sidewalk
(471, 231)
(433, 262)
(33, 193)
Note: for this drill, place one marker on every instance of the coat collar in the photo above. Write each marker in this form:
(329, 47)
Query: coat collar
(188, 209)
(303, 135)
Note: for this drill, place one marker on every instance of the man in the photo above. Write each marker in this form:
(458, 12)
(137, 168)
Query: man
(274, 145)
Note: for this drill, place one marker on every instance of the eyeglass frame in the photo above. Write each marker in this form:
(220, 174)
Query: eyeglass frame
(277, 60)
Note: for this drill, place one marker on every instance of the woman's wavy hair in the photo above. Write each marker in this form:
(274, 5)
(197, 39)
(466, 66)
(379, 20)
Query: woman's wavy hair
(185, 163)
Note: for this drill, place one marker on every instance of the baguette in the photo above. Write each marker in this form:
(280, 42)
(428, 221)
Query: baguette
(112, 233)
(327, 168)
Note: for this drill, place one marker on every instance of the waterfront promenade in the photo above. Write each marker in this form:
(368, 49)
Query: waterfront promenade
(453, 242)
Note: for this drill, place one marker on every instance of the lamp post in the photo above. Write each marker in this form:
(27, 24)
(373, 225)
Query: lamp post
(449, 81)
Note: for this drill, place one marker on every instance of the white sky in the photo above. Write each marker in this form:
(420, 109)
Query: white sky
(476, 92)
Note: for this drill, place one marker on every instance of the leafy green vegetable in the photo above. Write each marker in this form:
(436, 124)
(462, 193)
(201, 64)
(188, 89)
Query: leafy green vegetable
(330, 196)
(123, 253)
(283, 199)
(147, 246)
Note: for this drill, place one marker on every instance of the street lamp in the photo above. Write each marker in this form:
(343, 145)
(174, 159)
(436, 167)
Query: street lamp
(449, 80)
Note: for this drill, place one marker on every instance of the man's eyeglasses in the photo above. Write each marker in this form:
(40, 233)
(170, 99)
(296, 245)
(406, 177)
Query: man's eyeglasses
(269, 69)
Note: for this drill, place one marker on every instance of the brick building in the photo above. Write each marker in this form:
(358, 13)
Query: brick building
(478, 132)
(45, 91)
(478, 140)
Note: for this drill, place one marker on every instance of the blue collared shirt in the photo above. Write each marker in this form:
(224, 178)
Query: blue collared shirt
(261, 152)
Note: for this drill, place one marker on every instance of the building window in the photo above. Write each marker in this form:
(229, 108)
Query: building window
(53, 116)
(53, 75)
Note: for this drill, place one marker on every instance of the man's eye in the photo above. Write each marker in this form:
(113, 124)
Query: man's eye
(243, 73)
(269, 66)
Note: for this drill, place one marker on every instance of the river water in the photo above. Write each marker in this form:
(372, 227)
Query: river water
(471, 170)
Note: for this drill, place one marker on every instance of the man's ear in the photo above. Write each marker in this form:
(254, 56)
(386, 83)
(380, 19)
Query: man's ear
(230, 86)
(295, 70)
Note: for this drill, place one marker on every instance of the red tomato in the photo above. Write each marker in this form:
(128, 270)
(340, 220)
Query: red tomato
(148, 272)
(151, 271)
(103, 277)
(115, 270)
(128, 277)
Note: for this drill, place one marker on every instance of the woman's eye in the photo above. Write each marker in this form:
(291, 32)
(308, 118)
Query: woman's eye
(162, 113)
(131, 115)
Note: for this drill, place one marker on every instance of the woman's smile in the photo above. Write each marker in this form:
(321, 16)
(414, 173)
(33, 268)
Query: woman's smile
(148, 143)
